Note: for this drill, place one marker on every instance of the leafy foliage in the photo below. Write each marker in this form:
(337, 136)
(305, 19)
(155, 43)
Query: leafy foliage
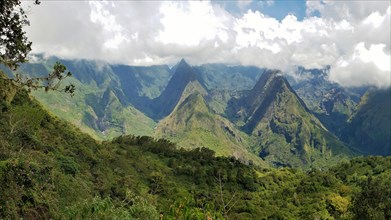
(51, 82)
(14, 45)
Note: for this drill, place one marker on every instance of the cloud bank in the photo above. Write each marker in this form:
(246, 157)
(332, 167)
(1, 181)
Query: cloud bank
(353, 37)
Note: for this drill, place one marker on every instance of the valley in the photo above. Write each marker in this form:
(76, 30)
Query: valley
(268, 117)
(195, 110)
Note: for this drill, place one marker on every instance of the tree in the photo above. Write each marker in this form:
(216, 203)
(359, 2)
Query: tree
(14, 45)
(14, 48)
(337, 205)
(156, 180)
(225, 205)
(374, 201)
(50, 82)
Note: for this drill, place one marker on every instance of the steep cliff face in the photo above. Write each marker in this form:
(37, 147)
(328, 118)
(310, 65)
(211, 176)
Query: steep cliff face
(330, 102)
(166, 102)
(287, 133)
(193, 124)
(369, 129)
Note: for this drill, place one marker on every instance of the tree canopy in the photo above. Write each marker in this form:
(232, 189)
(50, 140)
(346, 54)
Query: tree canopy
(15, 46)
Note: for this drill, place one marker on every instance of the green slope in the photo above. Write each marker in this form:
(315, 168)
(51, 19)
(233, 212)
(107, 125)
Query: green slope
(100, 114)
(330, 102)
(144, 81)
(100, 106)
(114, 118)
(192, 124)
(369, 129)
(224, 77)
(171, 95)
(287, 133)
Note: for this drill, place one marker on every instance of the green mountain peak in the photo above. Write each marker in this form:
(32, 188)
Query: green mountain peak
(287, 133)
(192, 124)
(166, 102)
(369, 128)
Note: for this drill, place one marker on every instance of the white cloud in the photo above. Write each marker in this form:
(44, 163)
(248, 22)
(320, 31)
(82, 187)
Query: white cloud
(351, 10)
(189, 24)
(351, 36)
(112, 30)
(364, 67)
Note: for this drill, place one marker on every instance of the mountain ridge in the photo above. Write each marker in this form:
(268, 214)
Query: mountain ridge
(169, 98)
(369, 128)
(273, 111)
(148, 95)
(192, 124)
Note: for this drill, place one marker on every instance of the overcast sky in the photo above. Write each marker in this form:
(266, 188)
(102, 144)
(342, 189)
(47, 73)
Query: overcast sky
(353, 37)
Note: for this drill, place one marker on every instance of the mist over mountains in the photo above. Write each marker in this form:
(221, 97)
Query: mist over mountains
(262, 115)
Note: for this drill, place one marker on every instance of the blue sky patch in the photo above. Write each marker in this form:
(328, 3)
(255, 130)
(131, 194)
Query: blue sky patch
(276, 9)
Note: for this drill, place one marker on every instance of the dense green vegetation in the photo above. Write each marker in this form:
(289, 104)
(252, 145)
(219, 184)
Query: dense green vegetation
(49, 169)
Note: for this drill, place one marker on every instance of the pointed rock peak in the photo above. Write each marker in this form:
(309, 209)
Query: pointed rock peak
(183, 61)
(276, 79)
(166, 102)
(265, 79)
(277, 72)
(272, 73)
(182, 64)
(183, 73)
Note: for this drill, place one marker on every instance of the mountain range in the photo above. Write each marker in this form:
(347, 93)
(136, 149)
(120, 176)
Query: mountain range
(256, 115)
(49, 169)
